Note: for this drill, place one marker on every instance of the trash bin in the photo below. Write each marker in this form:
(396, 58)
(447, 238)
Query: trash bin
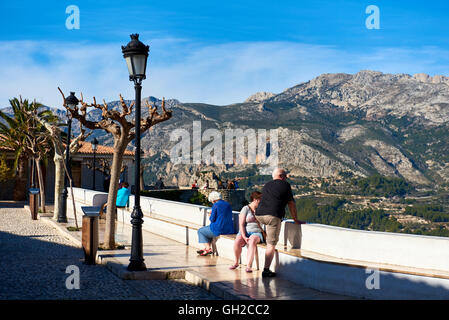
(89, 233)
(34, 206)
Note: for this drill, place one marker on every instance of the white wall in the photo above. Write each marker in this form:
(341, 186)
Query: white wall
(381, 247)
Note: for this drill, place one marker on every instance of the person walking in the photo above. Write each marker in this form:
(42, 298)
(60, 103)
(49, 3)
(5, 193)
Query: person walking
(250, 232)
(221, 223)
(276, 194)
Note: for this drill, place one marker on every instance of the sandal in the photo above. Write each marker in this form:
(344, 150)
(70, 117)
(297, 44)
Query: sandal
(235, 266)
(200, 251)
(206, 252)
(249, 270)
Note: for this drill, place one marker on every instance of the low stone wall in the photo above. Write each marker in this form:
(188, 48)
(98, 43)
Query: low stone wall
(408, 250)
(181, 195)
(235, 197)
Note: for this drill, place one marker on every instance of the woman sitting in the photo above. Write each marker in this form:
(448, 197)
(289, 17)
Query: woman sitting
(250, 232)
(221, 223)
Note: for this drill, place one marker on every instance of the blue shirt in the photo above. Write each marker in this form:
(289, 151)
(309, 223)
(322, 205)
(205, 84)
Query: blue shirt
(221, 218)
(122, 197)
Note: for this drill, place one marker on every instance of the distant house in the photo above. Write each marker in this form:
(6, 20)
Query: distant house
(82, 171)
(82, 174)
(7, 187)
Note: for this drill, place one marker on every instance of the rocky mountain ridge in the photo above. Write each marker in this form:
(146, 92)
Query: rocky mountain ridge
(368, 122)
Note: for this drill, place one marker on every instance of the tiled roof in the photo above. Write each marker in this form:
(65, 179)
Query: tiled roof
(86, 148)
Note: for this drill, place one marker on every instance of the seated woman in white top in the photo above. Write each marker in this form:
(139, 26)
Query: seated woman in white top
(249, 232)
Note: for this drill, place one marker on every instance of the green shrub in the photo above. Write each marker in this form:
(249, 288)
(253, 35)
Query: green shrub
(199, 198)
(432, 212)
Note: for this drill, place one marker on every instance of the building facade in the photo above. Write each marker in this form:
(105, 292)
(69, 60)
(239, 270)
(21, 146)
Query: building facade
(81, 167)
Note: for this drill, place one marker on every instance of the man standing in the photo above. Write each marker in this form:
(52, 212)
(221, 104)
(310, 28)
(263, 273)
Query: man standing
(276, 194)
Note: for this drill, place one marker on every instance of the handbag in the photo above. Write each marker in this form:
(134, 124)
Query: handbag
(264, 234)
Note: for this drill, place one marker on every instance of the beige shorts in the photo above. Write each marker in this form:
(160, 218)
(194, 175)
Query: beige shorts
(273, 228)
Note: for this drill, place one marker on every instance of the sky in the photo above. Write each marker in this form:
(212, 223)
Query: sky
(217, 52)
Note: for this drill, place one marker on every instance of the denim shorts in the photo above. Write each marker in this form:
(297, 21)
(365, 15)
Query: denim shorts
(249, 234)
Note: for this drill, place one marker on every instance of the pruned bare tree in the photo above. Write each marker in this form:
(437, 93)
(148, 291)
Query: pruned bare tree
(123, 131)
(60, 154)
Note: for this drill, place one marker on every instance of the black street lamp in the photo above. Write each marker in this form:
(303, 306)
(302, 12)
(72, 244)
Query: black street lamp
(136, 55)
(94, 149)
(72, 102)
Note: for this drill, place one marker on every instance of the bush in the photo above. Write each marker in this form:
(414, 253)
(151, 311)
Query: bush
(199, 198)
(434, 213)
(378, 186)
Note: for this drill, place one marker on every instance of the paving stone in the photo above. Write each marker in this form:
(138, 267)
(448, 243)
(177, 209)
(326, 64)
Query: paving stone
(34, 258)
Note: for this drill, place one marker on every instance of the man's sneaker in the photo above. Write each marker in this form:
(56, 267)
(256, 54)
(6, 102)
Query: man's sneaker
(268, 273)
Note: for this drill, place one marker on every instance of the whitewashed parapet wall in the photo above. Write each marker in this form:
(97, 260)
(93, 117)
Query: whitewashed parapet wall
(380, 247)
(408, 250)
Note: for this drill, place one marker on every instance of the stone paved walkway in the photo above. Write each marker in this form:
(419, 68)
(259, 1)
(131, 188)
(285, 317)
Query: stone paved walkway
(34, 258)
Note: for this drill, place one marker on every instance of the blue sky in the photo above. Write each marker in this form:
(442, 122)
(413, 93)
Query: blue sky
(212, 51)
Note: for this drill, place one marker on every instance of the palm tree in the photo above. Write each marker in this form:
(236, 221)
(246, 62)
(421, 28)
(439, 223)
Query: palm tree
(13, 137)
(22, 133)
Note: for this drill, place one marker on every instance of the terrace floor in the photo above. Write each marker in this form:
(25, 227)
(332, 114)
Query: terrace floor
(166, 258)
(36, 255)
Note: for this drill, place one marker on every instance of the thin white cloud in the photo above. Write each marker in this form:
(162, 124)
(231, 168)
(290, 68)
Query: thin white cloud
(191, 72)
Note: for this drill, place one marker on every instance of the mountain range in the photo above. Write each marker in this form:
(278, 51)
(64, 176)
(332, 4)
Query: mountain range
(369, 122)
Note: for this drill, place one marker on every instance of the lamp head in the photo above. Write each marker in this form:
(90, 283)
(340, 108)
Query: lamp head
(136, 54)
(71, 100)
(94, 144)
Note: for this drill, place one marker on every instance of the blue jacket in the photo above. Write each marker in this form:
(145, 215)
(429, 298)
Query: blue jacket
(221, 218)
(122, 197)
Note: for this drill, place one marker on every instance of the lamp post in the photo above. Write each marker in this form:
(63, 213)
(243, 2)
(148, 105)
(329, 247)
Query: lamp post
(94, 149)
(136, 54)
(72, 102)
